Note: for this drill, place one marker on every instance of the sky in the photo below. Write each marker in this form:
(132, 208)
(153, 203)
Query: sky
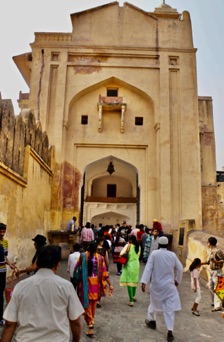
(20, 19)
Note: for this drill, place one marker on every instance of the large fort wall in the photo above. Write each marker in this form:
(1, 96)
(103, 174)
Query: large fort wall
(25, 181)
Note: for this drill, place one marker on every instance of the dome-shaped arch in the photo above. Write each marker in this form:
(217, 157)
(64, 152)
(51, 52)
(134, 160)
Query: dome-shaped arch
(93, 148)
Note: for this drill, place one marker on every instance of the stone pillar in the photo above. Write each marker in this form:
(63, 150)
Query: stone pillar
(100, 125)
(122, 118)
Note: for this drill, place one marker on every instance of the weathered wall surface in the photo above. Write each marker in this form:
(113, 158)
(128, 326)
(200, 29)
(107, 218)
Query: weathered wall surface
(207, 141)
(16, 132)
(25, 182)
(173, 152)
(197, 248)
(210, 212)
(220, 205)
(212, 191)
(156, 73)
(25, 206)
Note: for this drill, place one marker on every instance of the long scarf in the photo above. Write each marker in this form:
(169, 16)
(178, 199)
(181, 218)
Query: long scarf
(100, 275)
(83, 288)
(85, 298)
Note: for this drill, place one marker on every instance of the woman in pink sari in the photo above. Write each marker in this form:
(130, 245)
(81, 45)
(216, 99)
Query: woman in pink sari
(93, 284)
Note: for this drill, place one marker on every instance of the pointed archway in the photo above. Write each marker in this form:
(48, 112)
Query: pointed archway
(99, 205)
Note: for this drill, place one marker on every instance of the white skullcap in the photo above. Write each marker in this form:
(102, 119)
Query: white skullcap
(163, 240)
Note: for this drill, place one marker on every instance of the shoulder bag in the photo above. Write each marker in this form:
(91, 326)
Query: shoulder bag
(77, 273)
(124, 257)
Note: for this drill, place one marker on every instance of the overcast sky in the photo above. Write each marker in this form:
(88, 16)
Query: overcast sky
(20, 19)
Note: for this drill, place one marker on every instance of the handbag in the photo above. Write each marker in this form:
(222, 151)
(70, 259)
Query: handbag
(77, 275)
(9, 289)
(124, 257)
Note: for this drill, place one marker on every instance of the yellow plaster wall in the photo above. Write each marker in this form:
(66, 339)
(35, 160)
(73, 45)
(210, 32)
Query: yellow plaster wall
(158, 84)
(156, 73)
(25, 206)
(197, 248)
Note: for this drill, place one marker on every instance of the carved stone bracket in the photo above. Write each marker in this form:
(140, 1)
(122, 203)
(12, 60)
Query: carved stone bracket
(65, 124)
(111, 104)
(157, 126)
(100, 108)
(123, 108)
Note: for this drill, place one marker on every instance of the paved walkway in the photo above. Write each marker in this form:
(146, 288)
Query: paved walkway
(116, 321)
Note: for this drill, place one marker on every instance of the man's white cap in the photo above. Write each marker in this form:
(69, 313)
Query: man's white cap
(163, 240)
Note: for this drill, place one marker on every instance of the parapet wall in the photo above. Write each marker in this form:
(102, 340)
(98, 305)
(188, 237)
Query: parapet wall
(16, 132)
(25, 181)
(197, 248)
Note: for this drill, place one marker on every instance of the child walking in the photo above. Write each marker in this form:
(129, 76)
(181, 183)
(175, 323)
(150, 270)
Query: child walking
(195, 284)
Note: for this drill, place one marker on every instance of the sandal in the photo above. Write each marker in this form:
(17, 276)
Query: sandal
(216, 309)
(90, 331)
(196, 313)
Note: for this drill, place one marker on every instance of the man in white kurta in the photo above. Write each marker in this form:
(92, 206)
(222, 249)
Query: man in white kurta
(164, 271)
(44, 307)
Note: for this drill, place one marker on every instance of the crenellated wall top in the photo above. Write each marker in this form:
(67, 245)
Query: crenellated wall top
(52, 37)
(16, 132)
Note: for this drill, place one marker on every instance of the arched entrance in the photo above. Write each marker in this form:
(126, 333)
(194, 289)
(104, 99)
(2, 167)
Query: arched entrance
(110, 198)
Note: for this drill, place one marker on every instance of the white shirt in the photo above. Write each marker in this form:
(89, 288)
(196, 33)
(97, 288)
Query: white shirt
(195, 275)
(42, 306)
(72, 261)
(69, 225)
(162, 269)
(109, 243)
(134, 232)
(154, 244)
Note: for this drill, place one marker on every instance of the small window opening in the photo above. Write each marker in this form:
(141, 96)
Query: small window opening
(84, 120)
(139, 121)
(181, 237)
(112, 92)
(111, 190)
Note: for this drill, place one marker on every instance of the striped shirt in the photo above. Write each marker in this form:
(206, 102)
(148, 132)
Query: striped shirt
(4, 244)
(151, 244)
(87, 235)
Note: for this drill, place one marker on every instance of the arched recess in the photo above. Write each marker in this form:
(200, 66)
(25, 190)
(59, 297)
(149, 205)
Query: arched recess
(110, 218)
(104, 83)
(98, 204)
(86, 104)
(84, 144)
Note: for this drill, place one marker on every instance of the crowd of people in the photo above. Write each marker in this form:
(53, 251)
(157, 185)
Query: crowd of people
(63, 302)
(116, 236)
(163, 269)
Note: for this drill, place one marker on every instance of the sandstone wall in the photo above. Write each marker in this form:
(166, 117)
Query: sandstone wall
(25, 181)
(16, 132)
(197, 248)
(212, 191)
